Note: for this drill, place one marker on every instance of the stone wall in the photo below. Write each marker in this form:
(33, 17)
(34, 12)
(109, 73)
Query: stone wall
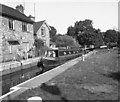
(14, 73)
(0, 46)
(15, 34)
(45, 38)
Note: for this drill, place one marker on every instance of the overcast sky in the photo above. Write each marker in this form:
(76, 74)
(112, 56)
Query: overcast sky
(63, 13)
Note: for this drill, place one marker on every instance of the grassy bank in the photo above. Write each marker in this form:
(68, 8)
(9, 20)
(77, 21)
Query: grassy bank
(96, 78)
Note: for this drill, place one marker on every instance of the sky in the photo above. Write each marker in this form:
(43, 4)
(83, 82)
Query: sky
(64, 13)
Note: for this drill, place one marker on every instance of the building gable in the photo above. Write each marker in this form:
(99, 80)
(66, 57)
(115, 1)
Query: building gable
(42, 30)
(38, 25)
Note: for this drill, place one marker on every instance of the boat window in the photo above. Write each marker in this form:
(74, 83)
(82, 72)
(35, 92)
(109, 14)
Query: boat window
(64, 53)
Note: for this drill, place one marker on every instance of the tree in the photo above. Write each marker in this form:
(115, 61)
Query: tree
(118, 42)
(85, 34)
(71, 31)
(110, 36)
(69, 41)
(65, 41)
(38, 43)
(53, 32)
(40, 48)
(82, 26)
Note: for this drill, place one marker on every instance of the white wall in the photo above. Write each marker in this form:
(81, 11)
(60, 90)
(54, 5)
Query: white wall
(47, 34)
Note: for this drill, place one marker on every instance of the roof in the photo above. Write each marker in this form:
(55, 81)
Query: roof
(37, 25)
(13, 13)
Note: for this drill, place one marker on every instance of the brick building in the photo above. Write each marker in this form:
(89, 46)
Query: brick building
(16, 32)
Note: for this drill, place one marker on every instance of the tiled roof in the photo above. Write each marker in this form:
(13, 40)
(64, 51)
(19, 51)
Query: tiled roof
(37, 25)
(13, 13)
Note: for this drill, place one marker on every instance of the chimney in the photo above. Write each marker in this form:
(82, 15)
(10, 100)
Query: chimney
(32, 18)
(20, 8)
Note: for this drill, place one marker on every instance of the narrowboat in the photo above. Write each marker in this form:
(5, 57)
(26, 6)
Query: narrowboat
(56, 57)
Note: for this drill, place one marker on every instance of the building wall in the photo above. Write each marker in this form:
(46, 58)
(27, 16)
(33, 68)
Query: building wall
(45, 38)
(0, 46)
(17, 33)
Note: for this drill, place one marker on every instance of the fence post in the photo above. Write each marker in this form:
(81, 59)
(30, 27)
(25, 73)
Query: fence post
(94, 51)
(83, 57)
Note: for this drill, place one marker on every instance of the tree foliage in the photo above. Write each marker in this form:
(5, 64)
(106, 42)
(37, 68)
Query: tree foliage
(71, 31)
(118, 42)
(65, 41)
(85, 34)
(38, 43)
(110, 36)
(53, 32)
(83, 26)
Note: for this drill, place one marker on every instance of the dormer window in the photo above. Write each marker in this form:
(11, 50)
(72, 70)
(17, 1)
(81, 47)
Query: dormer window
(43, 31)
(24, 26)
(11, 24)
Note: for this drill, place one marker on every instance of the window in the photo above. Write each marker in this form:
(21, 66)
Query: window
(11, 43)
(10, 47)
(44, 42)
(43, 31)
(24, 26)
(11, 24)
(14, 42)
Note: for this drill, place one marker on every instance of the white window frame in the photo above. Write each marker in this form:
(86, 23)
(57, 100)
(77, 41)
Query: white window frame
(10, 48)
(28, 30)
(44, 42)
